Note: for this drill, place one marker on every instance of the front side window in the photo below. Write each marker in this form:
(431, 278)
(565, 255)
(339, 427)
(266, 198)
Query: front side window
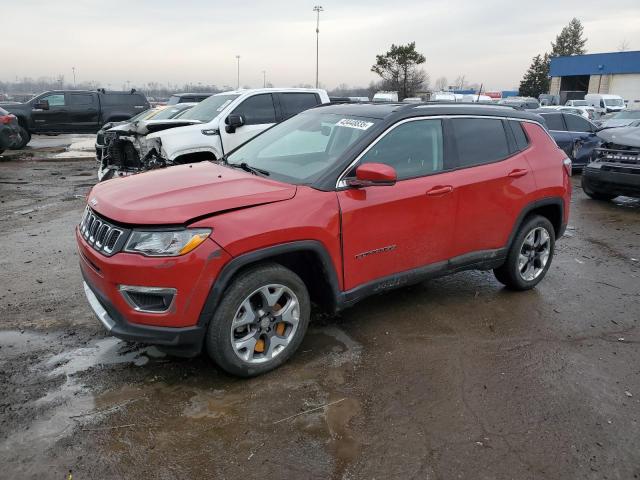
(479, 140)
(257, 110)
(55, 100)
(208, 109)
(301, 149)
(577, 124)
(413, 148)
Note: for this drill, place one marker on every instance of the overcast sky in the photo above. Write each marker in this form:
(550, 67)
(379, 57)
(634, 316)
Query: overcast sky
(113, 41)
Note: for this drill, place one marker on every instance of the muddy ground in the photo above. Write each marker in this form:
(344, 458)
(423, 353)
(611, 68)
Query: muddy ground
(453, 378)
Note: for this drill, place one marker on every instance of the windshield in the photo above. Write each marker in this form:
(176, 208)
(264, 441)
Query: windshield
(627, 114)
(209, 109)
(300, 149)
(169, 112)
(613, 102)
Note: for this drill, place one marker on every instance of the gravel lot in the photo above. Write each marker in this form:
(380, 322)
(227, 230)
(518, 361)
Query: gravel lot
(453, 378)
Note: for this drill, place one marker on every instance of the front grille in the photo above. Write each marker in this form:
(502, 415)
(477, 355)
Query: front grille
(622, 157)
(103, 236)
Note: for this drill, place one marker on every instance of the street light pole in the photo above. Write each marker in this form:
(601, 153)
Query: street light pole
(264, 78)
(73, 69)
(317, 9)
(238, 59)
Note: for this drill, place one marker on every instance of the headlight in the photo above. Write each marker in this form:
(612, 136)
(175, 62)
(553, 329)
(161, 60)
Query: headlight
(166, 244)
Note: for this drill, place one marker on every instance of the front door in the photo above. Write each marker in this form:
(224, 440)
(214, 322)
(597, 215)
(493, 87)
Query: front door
(388, 230)
(55, 119)
(259, 114)
(584, 139)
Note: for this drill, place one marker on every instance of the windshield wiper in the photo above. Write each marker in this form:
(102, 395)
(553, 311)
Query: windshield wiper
(248, 168)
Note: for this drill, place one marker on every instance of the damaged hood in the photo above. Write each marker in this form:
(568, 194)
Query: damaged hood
(179, 194)
(144, 127)
(625, 136)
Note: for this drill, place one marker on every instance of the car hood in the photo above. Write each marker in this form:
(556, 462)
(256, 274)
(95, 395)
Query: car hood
(624, 136)
(144, 127)
(176, 195)
(614, 122)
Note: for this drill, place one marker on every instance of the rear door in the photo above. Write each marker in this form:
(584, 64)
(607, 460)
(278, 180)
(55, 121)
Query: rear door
(83, 111)
(293, 103)
(493, 181)
(584, 138)
(56, 118)
(558, 130)
(259, 113)
(387, 230)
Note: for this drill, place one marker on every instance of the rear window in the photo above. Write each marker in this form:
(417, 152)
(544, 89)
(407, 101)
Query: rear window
(80, 98)
(122, 99)
(294, 103)
(479, 140)
(554, 121)
(518, 132)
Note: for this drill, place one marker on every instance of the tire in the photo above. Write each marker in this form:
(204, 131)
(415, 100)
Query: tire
(517, 276)
(26, 138)
(594, 194)
(243, 304)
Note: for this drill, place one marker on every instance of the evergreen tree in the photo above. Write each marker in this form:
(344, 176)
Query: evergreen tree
(570, 41)
(536, 79)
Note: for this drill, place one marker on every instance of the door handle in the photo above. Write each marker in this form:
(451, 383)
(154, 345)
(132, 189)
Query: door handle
(439, 190)
(518, 172)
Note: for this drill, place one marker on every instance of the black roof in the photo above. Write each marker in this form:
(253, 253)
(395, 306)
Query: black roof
(401, 110)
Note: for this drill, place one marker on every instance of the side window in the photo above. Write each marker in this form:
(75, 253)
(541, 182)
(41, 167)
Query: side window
(55, 100)
(294, 103)
(414, 149)
(554, 121)
(518, 132)
(479, 140)
(257, 109)
(577, 124)
(602, 103)
(80, 99)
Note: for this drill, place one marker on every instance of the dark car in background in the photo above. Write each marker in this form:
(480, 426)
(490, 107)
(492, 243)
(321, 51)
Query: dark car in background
(520, 103)
(187, 98)
(9, 131)
(75, 111)
(615, 169)
(574, 134)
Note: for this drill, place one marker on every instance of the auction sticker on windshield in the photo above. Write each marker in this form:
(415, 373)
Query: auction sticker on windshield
(351, 123)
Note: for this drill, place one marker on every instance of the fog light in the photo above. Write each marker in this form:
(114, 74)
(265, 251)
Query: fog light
(148, 299)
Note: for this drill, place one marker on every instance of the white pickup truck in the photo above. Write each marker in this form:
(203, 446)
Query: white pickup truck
(208, 131)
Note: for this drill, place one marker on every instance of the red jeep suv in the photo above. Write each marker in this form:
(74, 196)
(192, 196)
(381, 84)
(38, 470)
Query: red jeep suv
(330, 206)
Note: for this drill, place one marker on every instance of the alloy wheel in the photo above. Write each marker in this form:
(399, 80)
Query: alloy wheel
(534, 254)
(265, 323)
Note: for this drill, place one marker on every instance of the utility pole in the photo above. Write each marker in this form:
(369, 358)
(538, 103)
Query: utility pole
(73, 69)
(317, 9)
(238, 59)
(264, 78)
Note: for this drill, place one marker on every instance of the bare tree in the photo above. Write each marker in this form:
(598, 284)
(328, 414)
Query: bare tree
(441, 83)
(624, 45)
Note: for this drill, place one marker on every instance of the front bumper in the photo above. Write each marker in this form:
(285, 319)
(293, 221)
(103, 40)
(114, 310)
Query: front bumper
(613, 179)
(191, 275)
(185, 341)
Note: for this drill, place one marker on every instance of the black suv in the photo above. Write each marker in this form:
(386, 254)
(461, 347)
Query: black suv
(75, 111)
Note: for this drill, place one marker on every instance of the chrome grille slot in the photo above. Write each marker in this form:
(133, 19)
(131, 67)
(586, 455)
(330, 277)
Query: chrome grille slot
(103, 236)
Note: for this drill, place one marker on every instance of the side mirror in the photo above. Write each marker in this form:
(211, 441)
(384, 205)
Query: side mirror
(370, 174)
(233, 121)
(42, 105)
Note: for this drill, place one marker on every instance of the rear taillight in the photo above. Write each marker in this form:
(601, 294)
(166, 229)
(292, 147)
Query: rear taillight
(567, 165)
(6, 119)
